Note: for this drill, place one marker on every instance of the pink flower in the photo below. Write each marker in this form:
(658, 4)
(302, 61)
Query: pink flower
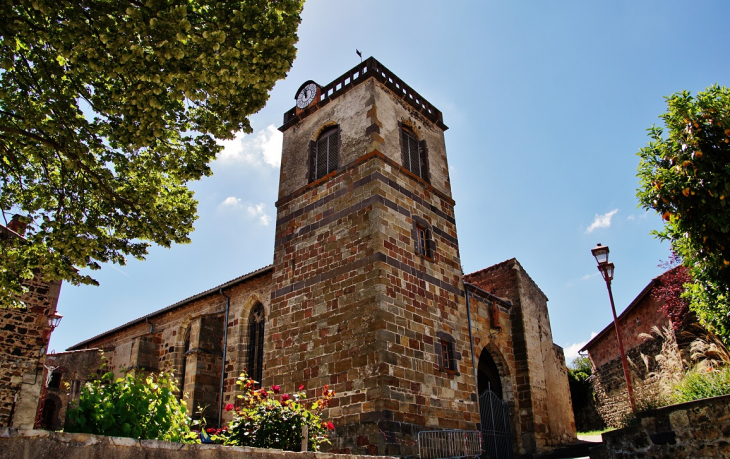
(330, 426)
(263, 393)
(229, 407)
(210, 430)
(301, 387)
(275, 388)
(285, 398)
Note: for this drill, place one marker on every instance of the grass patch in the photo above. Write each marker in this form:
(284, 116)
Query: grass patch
(594, 433)
(698, 384)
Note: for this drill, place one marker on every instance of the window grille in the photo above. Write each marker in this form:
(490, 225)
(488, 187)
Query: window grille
(326, 153)
(413, 153)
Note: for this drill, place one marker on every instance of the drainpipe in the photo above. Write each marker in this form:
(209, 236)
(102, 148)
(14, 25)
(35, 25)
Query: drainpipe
(471, 342)
(223, 366)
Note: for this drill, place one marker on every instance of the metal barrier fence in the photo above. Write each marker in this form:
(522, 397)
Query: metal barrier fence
(441, 444)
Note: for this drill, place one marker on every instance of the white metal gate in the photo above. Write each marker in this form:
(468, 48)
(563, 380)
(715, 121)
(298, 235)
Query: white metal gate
(496, 432)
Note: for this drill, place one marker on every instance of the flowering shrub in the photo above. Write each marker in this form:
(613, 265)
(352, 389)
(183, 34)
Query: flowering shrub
(265, 419)
(135, 406)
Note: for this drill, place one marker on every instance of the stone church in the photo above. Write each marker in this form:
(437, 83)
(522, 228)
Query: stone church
(366, 292)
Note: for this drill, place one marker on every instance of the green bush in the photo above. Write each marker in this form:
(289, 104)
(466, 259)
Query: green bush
(698, 384)
(265, 419)
(136, 406)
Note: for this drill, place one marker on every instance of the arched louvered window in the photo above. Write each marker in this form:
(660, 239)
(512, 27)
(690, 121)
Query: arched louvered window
(414, 153)
(325, 153)
(256, 321)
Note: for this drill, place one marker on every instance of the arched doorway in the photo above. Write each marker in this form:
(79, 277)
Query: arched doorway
(494, 413)
(488, 376)
(49, 414)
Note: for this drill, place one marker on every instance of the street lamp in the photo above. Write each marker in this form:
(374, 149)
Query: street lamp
(54, 320)
(600, 252)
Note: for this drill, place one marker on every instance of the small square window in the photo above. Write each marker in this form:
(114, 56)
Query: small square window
(447, 356)
(423, 239)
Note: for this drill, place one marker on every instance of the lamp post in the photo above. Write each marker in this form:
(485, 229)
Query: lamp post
(600, 252)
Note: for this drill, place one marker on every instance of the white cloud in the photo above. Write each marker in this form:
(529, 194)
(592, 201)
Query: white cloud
(571, 351)
(254, 211)
(602, 221)
(588, 276)
(230, 201)
(259, 211)
(263, 147)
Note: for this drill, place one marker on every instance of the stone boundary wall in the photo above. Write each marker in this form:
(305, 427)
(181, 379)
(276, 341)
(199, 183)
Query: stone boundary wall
(695, 429)
(30, 444)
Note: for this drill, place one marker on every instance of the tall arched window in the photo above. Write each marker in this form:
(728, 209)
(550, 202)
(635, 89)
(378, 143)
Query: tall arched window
(414, 153)
(184, 362)
(256, 321)
(325, 153)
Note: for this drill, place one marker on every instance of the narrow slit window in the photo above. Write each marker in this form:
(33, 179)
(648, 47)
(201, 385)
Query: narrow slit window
(423, 239)
(447, 355)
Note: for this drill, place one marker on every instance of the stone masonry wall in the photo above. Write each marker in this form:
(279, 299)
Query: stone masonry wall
(41, 444)
(24, 339)
(609, 383)
(74, 368)
(135, 345)
(640, 319)
(698, 429)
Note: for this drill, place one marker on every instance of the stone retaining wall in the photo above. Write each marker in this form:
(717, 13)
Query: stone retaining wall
(32, 444)
(696, 429)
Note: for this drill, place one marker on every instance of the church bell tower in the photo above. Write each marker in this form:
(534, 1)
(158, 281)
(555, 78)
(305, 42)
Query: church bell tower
(367, 294)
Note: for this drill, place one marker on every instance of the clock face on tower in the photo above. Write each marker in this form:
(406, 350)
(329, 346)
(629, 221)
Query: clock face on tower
(306, 95)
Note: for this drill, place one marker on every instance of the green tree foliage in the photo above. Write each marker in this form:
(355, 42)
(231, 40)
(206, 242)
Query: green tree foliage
(135, 406)
(711, 304)
(685, 176)
(108, 108)
(581, 391)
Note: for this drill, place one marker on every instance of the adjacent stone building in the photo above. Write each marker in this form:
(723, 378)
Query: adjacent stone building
(24, 337)
(609, 384)
(366, 292)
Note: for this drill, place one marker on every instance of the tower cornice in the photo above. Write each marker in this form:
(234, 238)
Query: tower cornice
(369, 68)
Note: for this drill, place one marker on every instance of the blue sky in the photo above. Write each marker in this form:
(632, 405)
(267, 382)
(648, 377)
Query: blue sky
(547, 104)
